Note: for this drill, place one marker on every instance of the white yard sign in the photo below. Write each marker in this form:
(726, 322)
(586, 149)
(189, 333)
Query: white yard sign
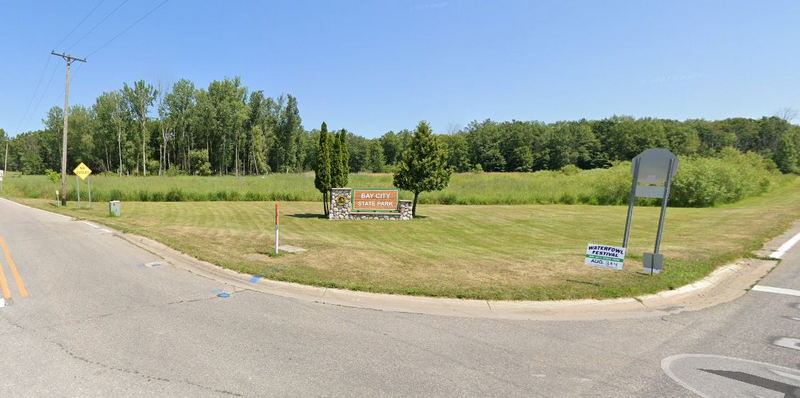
(1, 175)
(603, 256)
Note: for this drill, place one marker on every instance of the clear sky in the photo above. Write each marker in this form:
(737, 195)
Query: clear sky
(374, 66)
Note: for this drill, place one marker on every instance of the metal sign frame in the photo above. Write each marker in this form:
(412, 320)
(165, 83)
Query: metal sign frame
(653, 262)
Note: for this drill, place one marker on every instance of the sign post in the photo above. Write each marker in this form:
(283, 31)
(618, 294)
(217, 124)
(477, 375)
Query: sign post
(82, 172)
(1, 180)
(277, 226)
(653, 171)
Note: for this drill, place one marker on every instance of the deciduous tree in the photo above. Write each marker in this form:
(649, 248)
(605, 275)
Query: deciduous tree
(423, 166)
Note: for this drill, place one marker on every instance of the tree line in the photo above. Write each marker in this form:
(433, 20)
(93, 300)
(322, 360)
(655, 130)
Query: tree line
(227, 129)
(141, 129)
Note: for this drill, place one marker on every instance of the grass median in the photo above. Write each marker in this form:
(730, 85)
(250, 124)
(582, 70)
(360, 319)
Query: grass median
(521, 252)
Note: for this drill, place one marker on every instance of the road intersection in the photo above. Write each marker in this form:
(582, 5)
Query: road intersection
(104, 317)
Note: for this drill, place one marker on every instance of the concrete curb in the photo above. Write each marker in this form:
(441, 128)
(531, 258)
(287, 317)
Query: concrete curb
(725, 284)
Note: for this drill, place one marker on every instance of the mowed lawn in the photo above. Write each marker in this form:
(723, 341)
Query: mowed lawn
(520, 252)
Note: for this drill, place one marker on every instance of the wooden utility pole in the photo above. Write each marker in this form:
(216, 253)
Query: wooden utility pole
(69, 60)
(5, 167)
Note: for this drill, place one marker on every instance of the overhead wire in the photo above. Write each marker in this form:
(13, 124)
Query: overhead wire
(49, 82)
(41, 95)
(147, 14)
(80, 23)
(28, 110)
(98, 24)
(24, 117)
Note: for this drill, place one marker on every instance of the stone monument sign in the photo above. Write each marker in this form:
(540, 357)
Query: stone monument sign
(368, 204)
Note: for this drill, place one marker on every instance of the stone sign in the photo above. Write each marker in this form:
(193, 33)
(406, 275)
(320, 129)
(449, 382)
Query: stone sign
(375, 199)
(368, 204)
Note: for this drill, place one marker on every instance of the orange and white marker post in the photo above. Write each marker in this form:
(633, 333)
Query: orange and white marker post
(277, 225)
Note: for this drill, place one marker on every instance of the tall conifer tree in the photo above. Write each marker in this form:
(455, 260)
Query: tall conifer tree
(322, 167)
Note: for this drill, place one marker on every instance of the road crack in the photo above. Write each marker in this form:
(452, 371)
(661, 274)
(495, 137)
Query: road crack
(137, 373)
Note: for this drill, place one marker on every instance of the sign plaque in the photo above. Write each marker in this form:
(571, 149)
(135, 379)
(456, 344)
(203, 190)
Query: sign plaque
(375, 200)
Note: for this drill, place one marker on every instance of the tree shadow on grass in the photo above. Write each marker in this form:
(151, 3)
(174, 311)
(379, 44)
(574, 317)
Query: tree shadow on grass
(308, 215)
(598, 284)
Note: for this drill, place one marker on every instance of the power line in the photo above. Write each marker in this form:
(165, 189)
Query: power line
(41, 96)
(33, 95)
(129, 27)
(98, 24)
(25, 115)
(79, 24)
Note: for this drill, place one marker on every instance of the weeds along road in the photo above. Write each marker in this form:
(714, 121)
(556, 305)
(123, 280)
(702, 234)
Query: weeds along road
(105, 318)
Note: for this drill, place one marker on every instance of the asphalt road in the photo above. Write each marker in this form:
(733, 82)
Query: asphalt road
(102, 320)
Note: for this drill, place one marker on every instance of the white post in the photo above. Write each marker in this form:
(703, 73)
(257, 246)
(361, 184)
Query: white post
(277, 226)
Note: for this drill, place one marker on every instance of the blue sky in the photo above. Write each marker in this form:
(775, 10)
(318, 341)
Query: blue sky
(375, 66)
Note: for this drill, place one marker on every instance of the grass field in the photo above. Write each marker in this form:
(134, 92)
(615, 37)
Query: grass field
(598, 186)
(484, 188)
(531, 252)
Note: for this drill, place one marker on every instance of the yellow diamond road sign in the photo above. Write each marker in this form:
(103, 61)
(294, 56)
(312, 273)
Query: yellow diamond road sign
(82, 171)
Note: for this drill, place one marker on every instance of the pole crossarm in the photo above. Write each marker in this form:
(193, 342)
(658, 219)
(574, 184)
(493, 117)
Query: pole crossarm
(67, 57)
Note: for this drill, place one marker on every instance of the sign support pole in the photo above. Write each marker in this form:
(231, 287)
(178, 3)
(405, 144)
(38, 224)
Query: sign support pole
(89, 182)
(663, 209)
(78, 185)
(277, 226)
(631, 204)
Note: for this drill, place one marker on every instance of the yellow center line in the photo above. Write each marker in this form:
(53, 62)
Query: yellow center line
(4, 284)
(20, 285)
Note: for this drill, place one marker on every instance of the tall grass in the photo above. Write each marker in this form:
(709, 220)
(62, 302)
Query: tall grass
(700, 182)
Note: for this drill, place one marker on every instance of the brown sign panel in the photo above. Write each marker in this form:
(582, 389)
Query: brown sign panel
(375, 199)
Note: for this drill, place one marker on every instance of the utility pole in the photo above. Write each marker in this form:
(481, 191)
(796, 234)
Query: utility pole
(5, 167)
(69, 60)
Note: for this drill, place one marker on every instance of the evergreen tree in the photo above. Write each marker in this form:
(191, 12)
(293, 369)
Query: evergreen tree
(322, 167)
(340, 169)
(423, 166)
(345, 155)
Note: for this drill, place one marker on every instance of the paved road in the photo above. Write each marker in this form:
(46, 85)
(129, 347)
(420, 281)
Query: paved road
(98, 321)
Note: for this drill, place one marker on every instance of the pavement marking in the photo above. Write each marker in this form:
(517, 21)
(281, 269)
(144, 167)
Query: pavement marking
(97, 227)
(787, 342)
(4, 284)
(777, 290)
(785, 247)
(14, 273)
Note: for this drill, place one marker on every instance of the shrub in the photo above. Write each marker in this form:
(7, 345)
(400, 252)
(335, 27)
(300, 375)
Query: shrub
(727, 178)
(613, 186)
(53, 176)
(153, 166)
(175, 195)
(570, 170)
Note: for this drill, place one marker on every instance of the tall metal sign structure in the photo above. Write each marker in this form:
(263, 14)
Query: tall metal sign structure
(653, 171)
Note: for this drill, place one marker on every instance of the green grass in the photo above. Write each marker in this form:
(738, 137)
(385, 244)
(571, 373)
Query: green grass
(521, 252)
(599, 186)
